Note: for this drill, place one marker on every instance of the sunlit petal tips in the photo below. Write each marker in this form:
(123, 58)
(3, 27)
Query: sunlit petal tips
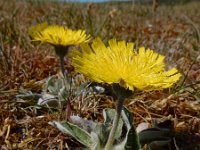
(58, 35)
(34, 30)
(120, 63)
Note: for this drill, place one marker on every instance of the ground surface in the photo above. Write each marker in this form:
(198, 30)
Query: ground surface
(173, 31)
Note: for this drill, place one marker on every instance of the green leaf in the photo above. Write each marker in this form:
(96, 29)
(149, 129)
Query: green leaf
(159, 134)
(87, 125)
(159, 144)
(48, 99)
(131, 139)
(109, 115)
(97, 145)
(102, 130)
(82, 88)
(51, 85)
(79, 134)
(63, 93)
(56, 86)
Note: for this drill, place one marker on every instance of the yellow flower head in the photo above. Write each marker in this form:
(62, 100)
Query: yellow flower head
(58, 35)
(120, 63)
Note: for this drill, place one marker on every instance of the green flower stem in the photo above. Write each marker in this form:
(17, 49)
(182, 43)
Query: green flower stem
(62, 66)
(61, 51)
(111, 138)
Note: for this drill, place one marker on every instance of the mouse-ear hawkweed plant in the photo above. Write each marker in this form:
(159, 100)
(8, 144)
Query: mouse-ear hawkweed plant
(58, 36)
(125, 68)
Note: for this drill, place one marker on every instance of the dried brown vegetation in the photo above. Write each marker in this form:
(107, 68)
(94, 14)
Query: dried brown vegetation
(173, 31)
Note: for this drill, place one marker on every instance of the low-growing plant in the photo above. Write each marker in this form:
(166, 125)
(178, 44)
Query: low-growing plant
(119, 65)
(124, 69)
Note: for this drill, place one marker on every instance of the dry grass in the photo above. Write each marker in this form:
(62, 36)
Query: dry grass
(173, 31)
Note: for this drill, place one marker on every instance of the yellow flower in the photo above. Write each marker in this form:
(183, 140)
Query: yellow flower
(120, 63)
(58, 35)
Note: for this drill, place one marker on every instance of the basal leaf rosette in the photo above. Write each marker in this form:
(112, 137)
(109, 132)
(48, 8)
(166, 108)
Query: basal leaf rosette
(120, 63)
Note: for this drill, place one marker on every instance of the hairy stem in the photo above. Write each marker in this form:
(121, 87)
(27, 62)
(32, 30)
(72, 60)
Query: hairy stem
(61, 51)
(62, 65)
(111, 138)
